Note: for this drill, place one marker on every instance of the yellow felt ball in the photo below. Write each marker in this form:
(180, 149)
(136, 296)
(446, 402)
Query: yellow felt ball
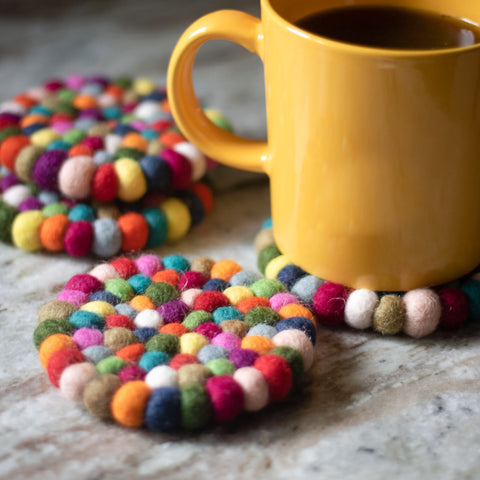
(26, 230)
(44, 136)
(178, 218)
(143, 86)
(237, 293)
(192, 342)
(274, 266)
(103, 309)
(131, 180)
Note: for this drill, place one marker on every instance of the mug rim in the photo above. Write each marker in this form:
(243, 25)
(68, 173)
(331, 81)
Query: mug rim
(365, 49)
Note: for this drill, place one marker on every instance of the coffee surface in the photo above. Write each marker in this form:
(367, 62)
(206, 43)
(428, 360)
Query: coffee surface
(391, 27)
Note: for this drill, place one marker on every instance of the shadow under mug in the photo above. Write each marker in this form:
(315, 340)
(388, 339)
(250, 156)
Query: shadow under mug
(373, 154)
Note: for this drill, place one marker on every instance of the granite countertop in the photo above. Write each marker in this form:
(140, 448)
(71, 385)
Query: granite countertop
(374, 407)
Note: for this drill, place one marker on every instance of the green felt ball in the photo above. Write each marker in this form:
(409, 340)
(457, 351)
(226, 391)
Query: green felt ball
(7, 216)
(267, 287)
(261, 315)
(51, 327)
(74, 136)
(266, 255)
(164, 342)
(126, 152)
(196, 407)
(65, 107)
(66, 95)
(54, 209)
(294, 359)
(194, 319)
(389, 316)
(8, 132)
(110, 364)
(220, 366)
(161, 292)
(122, 81)
(471, 288)
(120, 288)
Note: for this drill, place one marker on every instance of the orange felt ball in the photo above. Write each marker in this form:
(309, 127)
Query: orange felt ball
(53, 344)
(25, 100)
(225, 269)
(142, 302)
(80, 150)
(52, 232)
(82, 102)
(28, 120)
(295, 310)
(131, 353)
(10, 148)
(175, 329)
(257, 343)
(166, 106)
(129, 403)
(205, 194)
(251, 302)
(169, 139)
(115, 91)
(135, 140)
(168, 276)
(134, 230)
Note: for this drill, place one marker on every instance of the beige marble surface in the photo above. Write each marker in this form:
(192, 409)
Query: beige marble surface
(373, 407)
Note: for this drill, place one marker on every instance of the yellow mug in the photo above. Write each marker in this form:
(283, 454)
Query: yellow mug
(373, 154)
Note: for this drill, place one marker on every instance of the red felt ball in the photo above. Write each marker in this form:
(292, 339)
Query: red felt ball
(181, 359)
(117, 320)
(10, 148)
(191, 279)
(94, 143)
(329, 303)
(78, 238)
(226, 396)
(454, 308)
(277, 373)
(181, 169)
(105, 183)
(60, 360)
(126, 267)
(208, 330)
(84, 283)
(210, 301)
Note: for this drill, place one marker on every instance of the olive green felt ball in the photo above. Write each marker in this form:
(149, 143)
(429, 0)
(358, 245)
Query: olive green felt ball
(51, 327)
(161, 292)
(120, 288)
(294, 359)
(267, 287)
(267, 254)
(261, 315)
(164, 342)
(194, 319)
(7, 216)
(196, 407)
(389, 316)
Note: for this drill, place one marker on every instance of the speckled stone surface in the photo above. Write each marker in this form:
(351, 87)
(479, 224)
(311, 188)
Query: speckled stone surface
(373, 407)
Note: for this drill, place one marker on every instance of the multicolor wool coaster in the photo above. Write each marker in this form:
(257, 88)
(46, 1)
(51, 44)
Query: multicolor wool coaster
(416, 313)
(170, 344)
(97, 165)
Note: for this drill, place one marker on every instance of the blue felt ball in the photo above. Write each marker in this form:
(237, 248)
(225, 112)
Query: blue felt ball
(268, 223)
(306, 287)
(112, 113)
(298, 323)
(156, 96)
(290, 275)
(101, 157)
(93, 89)
(215, 284)
(139, 283)
(176, 262)
(150, 134)
(144, 334)
(31, 129)
(81, 212)
(157, 226)
(157, 172)
(471, 288)
(211, 352)
(101, 295)
(58, 145)
(126, 309)
(41, 110)
(263, 330)
(84, 319)
(226, 313)
(47, 198)
(163, 412)
(95, 353)
(194, 205)
(85, 123)
(150, 360)
(122, 129)
(245, 278)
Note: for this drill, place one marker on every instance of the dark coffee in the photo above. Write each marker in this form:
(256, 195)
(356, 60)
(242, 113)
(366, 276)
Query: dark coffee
(392, 27)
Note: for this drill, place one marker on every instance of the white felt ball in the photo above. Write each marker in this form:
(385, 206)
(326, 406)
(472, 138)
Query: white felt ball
(104, 272)
(74, 379)
(423, 311)
(149, 318)
(195, 157)
(188, 296)
(37, 93)
(112, 142)
(16, 194)
(297, 340)
(161, 376)
(107, 100)
(359, 308)
(12, 107)
(254, 386)
(147, 109)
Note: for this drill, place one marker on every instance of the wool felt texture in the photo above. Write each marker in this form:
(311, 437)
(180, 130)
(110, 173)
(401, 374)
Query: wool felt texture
(97, 174)
(130, 350)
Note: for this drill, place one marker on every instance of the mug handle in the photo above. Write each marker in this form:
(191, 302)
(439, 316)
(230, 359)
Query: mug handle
(227, 148)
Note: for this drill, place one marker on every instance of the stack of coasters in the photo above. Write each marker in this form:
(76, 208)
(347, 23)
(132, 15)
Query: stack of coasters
(417, 313)
(96, 165)
(171, 344)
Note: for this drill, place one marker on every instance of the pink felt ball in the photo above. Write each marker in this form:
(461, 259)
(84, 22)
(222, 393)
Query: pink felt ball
(208, 329)
(189, 296)
(454, 307)
(279, 300)
(75, 177)
(422, 312)
(148, 264)
(78, 238)
(254, 386)
(104, 272)
(226, 396)
(191, 279)
(227, 340)
(84, 282)
(74, 379)
(131, 373)
(329, 303)
(74, 297)
(87, 337)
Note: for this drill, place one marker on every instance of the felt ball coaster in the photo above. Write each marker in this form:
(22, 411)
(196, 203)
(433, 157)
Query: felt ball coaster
(96, 165)
(416, 313)
(170, 344)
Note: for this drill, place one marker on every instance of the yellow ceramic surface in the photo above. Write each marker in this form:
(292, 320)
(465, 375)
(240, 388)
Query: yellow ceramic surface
(373, 154)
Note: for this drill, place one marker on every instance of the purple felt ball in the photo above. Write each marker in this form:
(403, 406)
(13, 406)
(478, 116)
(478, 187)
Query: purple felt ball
(8, 181)
(31, 203)
(243, 357)
(173, 311)
(46, 169)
